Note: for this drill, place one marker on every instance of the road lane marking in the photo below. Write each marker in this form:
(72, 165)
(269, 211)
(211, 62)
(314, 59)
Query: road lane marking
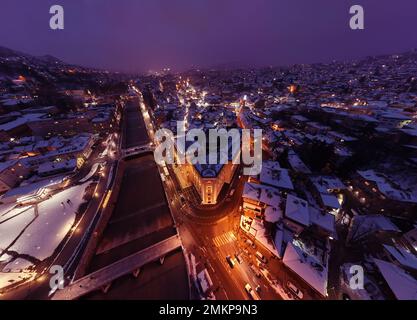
(224, 239)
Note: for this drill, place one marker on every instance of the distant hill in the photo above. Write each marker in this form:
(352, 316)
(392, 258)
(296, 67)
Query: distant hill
(50, 59)
(49, 70)
(7, 53)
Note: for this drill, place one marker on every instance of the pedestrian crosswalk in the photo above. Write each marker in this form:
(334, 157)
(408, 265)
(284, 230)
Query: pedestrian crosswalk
(224, 238)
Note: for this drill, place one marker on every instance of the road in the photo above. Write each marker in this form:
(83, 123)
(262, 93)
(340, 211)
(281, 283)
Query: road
(214, 237)
(213, 234)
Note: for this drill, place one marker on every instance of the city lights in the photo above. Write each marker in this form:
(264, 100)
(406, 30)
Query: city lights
(208, 154)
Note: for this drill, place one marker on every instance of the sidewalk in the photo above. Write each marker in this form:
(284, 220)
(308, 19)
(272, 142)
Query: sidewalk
(184, 184)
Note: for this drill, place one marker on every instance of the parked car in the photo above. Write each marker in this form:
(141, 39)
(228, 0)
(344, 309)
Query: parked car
(295, 291)
(261, 265)
(251, 292)
(230, 261)
(255, 271)
(239, 258)
(250, 242)
(260, 257)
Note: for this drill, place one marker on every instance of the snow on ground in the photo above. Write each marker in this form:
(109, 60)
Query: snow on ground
(5, 208)
(8, 278)
(5, 258)
(12, 212)
(11, 227)
(18, 265)
(56, 217)
(92, 172)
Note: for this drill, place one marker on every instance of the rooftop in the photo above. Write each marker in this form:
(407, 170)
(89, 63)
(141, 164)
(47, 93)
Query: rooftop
(296, 209)
(307, 267)
(402, 284)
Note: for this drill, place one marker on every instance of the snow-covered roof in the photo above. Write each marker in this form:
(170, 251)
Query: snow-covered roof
(307, 267)
(323, 220)
(76, 144)
(371, 175)
(46, 167)
(342, 151)
(363, 117)
(263, 236)
(296, 209)
(299, 118)
(320, 137)
(394, 114)
(330, 201)
(410, 131)
(324, 184)
(257, 192)
(318, 126)
(364, 225)
(275, 176)
(21, 120)
(341, 136)
(7, 164)
(273, 214)
(296, 163)
(370, 290)
(402, 284)
(403, 256)
(387, 188)
(283, 236)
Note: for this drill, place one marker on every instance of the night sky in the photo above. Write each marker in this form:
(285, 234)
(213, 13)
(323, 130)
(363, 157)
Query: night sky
(137, 35)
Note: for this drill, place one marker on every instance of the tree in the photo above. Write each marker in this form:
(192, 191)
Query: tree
(318, 155)
(260, 103)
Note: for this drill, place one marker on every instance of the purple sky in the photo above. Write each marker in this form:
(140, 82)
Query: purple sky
(133, 35)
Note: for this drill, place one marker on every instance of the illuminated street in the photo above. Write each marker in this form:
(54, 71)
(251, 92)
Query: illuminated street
(208, 158)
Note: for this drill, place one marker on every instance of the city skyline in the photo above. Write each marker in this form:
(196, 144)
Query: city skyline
(271, 153)
(138, 36)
